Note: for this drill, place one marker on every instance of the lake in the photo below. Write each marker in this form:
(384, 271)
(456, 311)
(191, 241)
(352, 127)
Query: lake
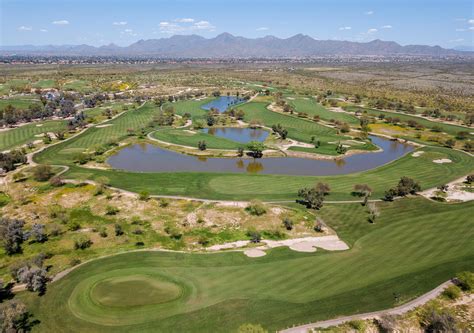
(243, 135)
(223, 103)
(150, 158)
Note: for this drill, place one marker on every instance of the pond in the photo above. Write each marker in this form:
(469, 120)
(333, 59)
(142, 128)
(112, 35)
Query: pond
(243, 135)
(223, 103)
(150, 158)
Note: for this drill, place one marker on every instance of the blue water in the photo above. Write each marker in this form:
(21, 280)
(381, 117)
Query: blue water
(223, 103)
(150, 158)
(243, 135)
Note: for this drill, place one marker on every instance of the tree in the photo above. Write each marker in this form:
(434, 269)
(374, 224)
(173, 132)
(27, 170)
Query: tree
(390, 194)
(363, 190)
(34, 277)
(373, 212)
(288, 223)
(470, 178)
(38, 233)
(256, 148)
(407, 186)
(440, 321)
(278, 129)
(42, 172)
(144, 195)
(11, 235)
(240, 151)
(340, 149)
(210, 119)
(314, 197)
(118, 229)
(450, 143)
(465, 281)
(14, 317)
(82, 242)
(202, 145)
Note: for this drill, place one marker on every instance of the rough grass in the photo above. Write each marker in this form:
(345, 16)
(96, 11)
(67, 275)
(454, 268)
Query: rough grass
(450, 129)
(414, 246)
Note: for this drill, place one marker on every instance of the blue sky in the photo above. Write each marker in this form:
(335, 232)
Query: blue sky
(447, 23)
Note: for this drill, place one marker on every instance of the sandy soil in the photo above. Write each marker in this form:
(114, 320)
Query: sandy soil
(254, 253)
(417, 153)
(306, 244)
(442, 160)
(455, 191)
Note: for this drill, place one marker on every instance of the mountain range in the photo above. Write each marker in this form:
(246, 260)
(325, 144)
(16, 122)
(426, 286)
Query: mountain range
(226, 45)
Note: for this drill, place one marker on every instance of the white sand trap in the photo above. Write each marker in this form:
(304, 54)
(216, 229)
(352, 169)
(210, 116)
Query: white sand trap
(291, 98)
(303, 247)
(226, 246)
(254, 253)
(417, 153)
(189, 131)
(105, 125)
(330, 243)
(442, 161)
(39, 125)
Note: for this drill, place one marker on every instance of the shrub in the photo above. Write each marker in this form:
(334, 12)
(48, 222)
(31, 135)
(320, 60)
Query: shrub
(82, 242)
(118, 229)
(103, 232)
(255, 236)
(288, 223)
(358, 325)
(452, 292)
(256, 208)
(465, 281)
(111, 210)
(144, 195)
(163, 203)
(42, 173)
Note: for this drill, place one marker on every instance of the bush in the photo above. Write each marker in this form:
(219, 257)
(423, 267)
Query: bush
(465, 281)
(256, 208)
(255, 236)
(163, 203)
(118, 230)
(358, 325)
(452, 292)
(82, 242)
(42, 173)
(111, 210)
(288, 223)
(144, 195)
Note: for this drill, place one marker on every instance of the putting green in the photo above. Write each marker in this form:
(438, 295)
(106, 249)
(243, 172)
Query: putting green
(134, 290)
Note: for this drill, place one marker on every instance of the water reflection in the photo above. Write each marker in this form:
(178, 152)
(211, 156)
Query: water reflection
(149, 158)
(222, 103)
(237, 134)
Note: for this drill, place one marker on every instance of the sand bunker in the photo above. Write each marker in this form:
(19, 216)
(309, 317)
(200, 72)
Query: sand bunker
(442, 160)
(254, 253)
(417, 153)
(105, 125)
(226, 246)
(39, 125)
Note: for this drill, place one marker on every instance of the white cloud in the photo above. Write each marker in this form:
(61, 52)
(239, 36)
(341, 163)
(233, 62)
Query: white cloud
(186, 26)
(128, 32)
(457, 40)
(388, 26)
(60, 22)
(43, 30)
(24, 28)
(372, 31)
(471, 28)
(185, 20)
(262, 29)
(345, 28)
(471, 21)
(370, 12)
(460, 29)
(120, 23)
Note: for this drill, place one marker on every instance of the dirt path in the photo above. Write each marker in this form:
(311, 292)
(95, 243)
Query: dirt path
(371, 315)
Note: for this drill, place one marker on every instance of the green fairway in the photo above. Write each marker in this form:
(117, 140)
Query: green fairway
(16, 137)
(192, 138)
(18, 103)
(298, 129)
(450, 129)
(312, 108)
(44, 84)
(193, 107)
(414, 246)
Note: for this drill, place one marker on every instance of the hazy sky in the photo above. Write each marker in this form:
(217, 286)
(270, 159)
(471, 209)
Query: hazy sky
(447, 23)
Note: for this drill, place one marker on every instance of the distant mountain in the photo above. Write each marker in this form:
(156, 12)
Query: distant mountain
(466, 48)
(228, 46)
